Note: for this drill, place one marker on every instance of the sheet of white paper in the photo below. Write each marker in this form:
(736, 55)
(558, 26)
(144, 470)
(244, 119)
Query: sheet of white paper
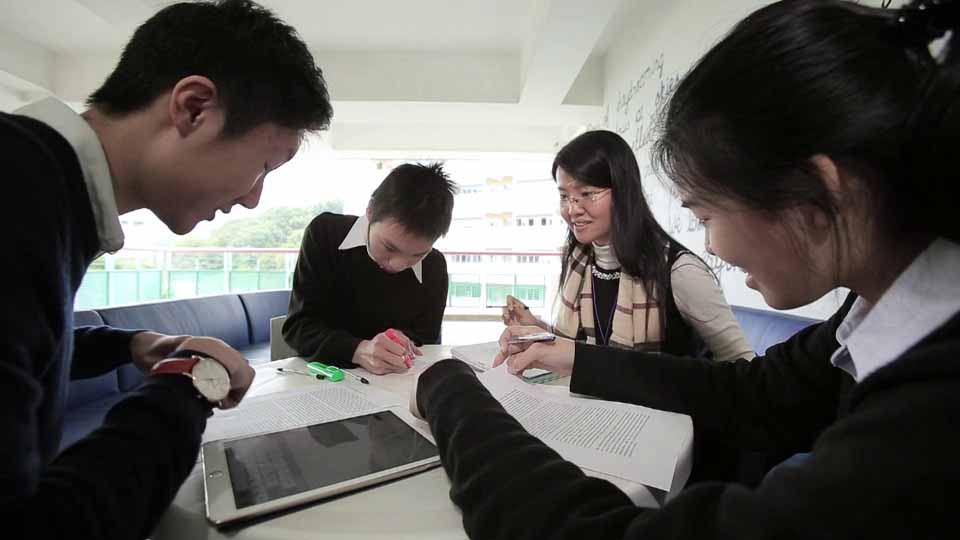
(635, 443)
(638, 493)
(480, 356)
(297, 408)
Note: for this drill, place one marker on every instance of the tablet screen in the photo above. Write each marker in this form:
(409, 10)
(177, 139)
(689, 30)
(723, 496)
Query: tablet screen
(268, 467)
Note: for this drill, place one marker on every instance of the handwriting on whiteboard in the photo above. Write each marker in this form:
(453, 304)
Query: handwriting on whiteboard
(683, 222)
(640, 124)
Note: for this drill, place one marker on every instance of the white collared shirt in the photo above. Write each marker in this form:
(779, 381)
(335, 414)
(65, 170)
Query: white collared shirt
(924, 297)
(358, 235)
(93, 164)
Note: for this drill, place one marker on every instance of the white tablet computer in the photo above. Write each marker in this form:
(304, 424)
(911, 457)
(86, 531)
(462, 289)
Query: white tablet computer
(251, 476)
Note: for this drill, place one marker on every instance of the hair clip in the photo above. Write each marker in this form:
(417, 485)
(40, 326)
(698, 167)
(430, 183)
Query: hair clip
(927, 20)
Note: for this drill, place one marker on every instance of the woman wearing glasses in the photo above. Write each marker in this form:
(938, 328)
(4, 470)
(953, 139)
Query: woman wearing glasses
(625, 282)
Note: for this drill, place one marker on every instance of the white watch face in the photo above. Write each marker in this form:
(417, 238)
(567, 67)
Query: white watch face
(211, 379)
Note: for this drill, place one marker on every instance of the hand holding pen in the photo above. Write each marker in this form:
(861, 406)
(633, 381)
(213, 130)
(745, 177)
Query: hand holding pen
(516, 313)
(382, 355)
(409, 349)
(526, 347)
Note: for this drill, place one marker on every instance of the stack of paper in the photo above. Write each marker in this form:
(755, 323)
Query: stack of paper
(480, 357)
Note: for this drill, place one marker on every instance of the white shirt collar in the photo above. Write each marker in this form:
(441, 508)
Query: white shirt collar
(93, 164)
(357, 236)
(924, 297)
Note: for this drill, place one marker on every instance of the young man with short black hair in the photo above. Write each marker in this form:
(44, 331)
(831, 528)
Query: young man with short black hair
(358, 277)
(206, 100)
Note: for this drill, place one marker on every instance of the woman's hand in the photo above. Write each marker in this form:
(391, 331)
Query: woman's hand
(556, 356)
(516, 313)
(432, 378)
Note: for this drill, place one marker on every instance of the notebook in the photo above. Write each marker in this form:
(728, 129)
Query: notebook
(480, 357)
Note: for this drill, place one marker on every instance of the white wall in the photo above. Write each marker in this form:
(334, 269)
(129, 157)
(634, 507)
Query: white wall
(657, 43)
(25, 60)
(10, 99)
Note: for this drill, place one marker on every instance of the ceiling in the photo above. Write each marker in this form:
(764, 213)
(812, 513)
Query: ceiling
(101, 26)
(403, 74)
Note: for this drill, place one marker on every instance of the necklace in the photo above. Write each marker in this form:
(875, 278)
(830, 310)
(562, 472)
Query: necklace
(606, 276)
(605, 337)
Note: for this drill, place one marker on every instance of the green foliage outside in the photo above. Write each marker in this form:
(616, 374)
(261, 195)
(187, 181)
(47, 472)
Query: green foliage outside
(280, 227)
(142, 276)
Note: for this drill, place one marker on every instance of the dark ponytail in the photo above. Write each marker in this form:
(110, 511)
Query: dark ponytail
(934, 127)
(799, 78)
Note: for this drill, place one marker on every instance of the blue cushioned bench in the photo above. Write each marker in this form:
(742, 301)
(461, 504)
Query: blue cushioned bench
(241, 320)
(764, 328)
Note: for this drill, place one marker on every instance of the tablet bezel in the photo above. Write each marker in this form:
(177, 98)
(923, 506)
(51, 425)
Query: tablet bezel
(220, 503)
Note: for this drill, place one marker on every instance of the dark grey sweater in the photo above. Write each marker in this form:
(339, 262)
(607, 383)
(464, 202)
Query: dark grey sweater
(341, 297)
(117, 482)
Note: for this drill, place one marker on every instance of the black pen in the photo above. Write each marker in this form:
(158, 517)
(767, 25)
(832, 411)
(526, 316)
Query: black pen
(314, 375)
(355, 376)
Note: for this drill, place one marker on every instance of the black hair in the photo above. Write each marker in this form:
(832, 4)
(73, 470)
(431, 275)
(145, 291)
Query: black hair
(603, 159)
(262, 70)
(419, 197)
(800, 78)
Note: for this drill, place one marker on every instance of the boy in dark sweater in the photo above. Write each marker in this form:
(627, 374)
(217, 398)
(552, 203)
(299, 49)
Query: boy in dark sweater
(358, 278)
(186, 124)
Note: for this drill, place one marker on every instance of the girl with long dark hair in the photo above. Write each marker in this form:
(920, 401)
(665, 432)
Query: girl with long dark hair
(815, 141)
(625, 282)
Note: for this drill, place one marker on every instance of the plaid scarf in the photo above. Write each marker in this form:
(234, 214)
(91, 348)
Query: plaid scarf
(636, 319)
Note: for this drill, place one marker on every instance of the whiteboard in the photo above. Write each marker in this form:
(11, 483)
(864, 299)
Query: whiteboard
(642, 67)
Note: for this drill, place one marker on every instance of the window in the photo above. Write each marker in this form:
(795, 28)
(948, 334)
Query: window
(257, 249)
(464, 289)
(533, 294)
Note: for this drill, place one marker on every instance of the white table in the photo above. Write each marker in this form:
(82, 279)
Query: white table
(418, 506)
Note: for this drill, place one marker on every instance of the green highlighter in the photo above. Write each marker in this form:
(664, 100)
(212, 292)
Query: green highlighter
(331, 373)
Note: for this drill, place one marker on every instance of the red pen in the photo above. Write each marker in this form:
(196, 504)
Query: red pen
(394, 337)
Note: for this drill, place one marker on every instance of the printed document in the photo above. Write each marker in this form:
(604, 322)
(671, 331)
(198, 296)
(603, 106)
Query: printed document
(297, 408)
(639, 444)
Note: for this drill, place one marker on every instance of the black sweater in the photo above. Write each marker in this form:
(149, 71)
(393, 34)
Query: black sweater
(884, 460)
(117, 482)
(341, 297)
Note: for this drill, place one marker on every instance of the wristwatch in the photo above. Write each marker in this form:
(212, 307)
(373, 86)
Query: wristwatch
(209, 377)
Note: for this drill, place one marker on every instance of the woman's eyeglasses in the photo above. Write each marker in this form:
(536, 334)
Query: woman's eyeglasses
(585, 201)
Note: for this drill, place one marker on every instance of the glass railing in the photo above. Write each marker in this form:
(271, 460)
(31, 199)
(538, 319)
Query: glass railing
(479, 281)
(133, 276)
